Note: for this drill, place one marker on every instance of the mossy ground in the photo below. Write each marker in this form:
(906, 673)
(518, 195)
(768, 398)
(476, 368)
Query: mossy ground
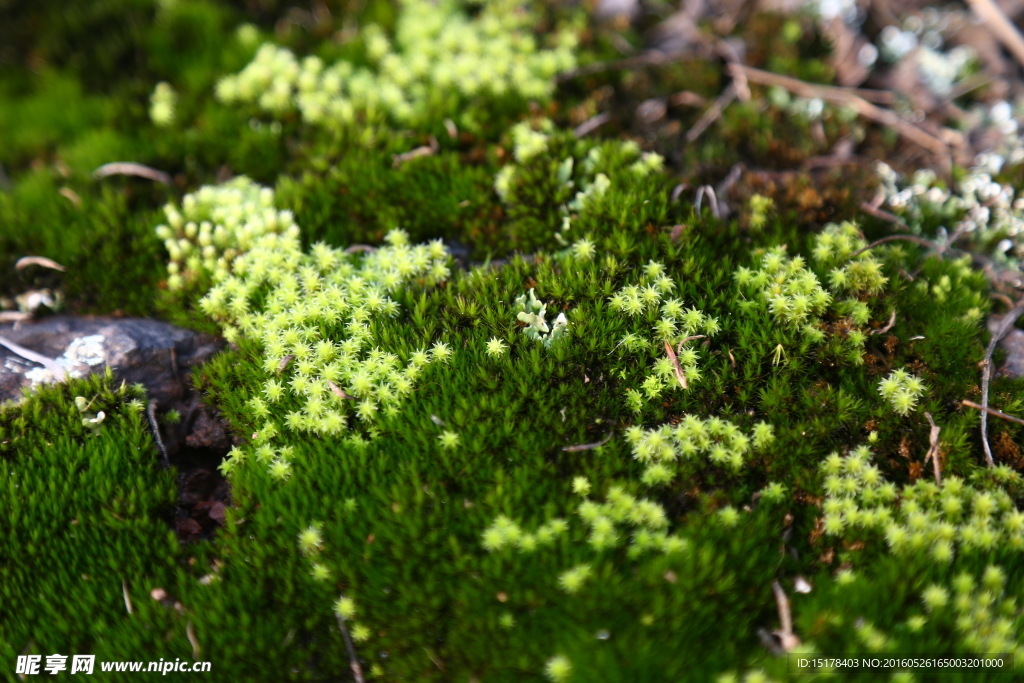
(401, 516)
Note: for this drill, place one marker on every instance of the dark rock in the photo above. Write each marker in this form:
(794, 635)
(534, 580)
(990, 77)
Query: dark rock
(153, 353)
(206, 431)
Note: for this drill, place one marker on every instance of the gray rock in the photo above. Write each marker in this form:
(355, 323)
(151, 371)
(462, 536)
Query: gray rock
(153, 353)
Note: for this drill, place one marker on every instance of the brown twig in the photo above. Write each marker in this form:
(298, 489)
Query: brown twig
(651, 58)
(712, 113)
(894, 238)
(151, 414)
(131, 168)
(591, 124)
(680, 375)
(53, 366)
(424, 151)
(872, 210)
(190, 633)
(850, 97)
(986, 373)
(701, 191)
(588, 446)
(787, 639)
(127, 598)
(26, 261)
(338, 391)
(284, 362)
(888, 325)
(933, 449)
(353, 661)
(992, 411)
(1002, 28)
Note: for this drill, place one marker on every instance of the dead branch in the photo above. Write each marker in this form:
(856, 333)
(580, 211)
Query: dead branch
(424, 151)
(26, 261)
(850, 97)
(894, 238)
(680, 375)
(588, 446)
(992, 411)
(712, 113)
(986, 374)
(1000, 26)
(353, 661)
(888, 325)
(787, 640)
(155, 426)
(133, 169)
(933, 449)
(53, 366)
(651, 58)
(701, 191)
(591, 124)
(872, 210)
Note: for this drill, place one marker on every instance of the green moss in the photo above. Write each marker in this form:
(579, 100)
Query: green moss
(420, 455)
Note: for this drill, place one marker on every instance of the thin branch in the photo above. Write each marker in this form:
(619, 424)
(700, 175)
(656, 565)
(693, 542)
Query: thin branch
(1000, 26)
(992, 411)
(888, 325)
(855, 99)
(785, 634)
(353, 662)
(588, 446)
(127, 598)
(151, 414)
(701, 191)
(712, 113)
(933, 449)
(680, 375)
(133, 169)
(591, 124)
(190, 633)
(872, 210)
(26, 261)
(53, 366)
(894, 238)
(986, 374)
(650, 58)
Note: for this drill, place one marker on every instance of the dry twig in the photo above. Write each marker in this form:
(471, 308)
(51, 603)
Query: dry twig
(127, 598)
(1002, 28)
(151, 414)
(933, 449)
(992, 411)
(353, 661)
(26, 261)
(856, 99)
(878, 213)
(190, 633)
(888, 325)
(712, 113)
(787, 640)
(131, 168)
(591, 124)
(986, 373)
(588, 446)
(53, 366)
(680, 375)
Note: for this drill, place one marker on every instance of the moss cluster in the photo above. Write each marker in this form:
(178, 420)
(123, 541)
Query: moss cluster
(507, 406)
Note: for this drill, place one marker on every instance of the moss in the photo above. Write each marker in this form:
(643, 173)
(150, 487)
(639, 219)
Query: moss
(582, 435)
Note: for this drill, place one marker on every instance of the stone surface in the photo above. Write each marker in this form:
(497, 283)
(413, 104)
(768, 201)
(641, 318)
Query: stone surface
(154, 353)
